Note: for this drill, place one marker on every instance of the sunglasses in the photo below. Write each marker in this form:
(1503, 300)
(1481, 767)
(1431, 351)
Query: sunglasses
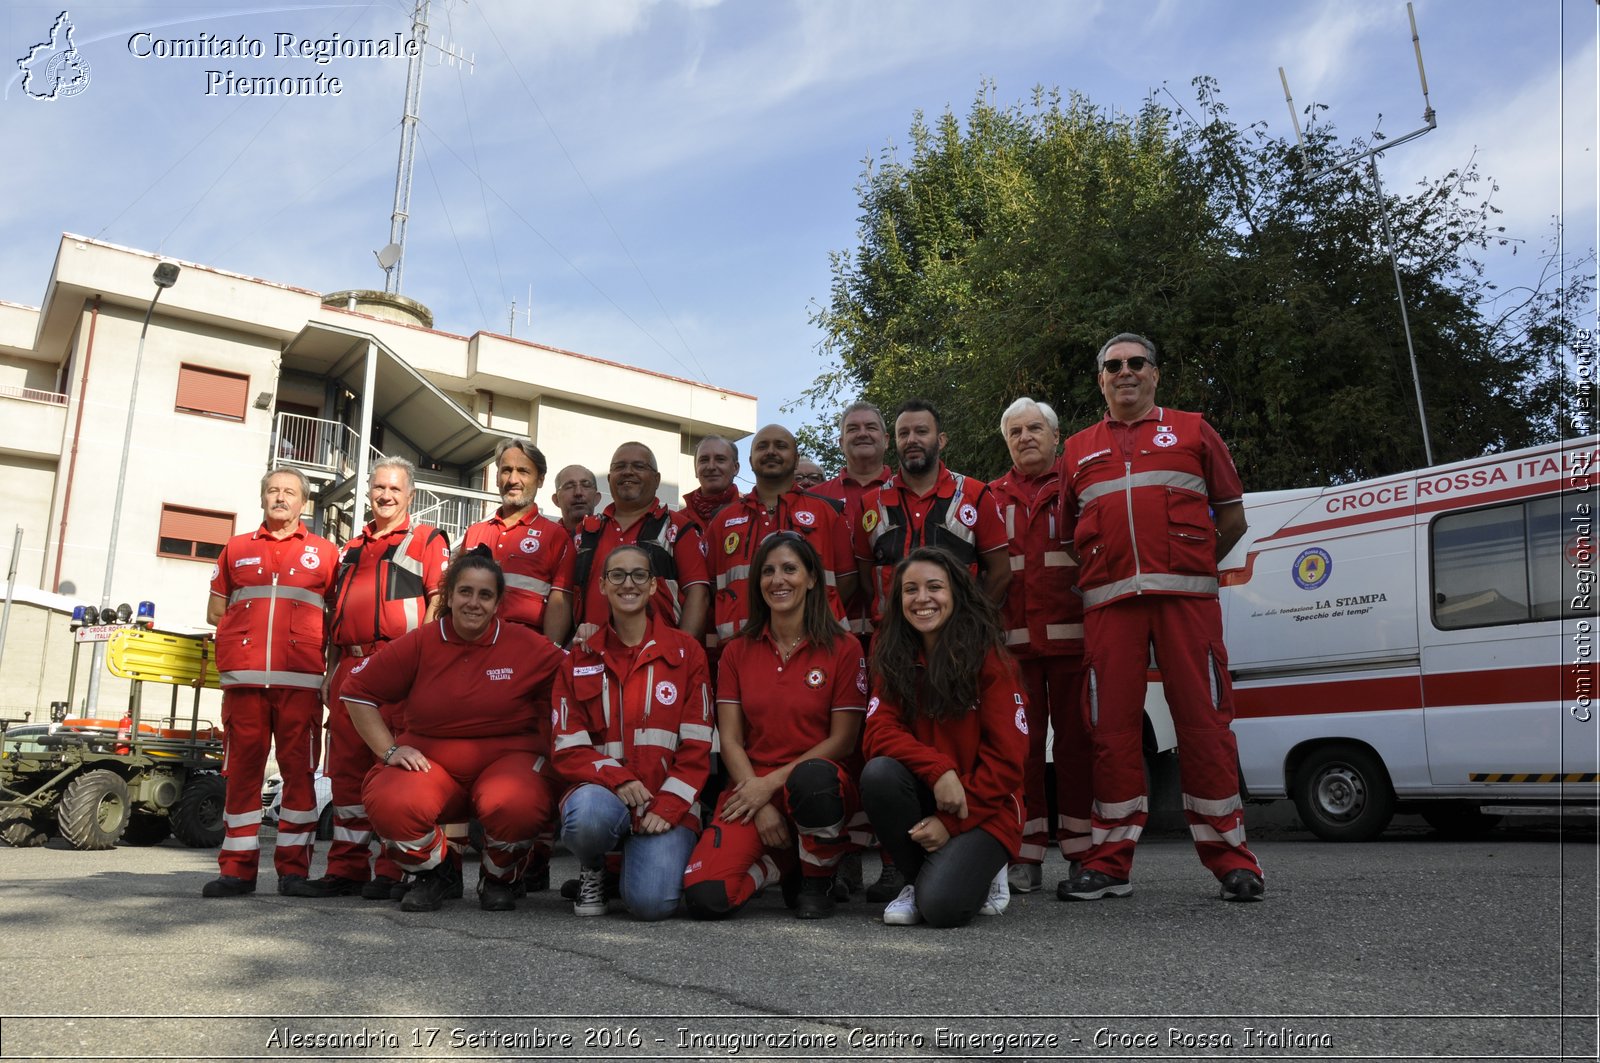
(1136, 363)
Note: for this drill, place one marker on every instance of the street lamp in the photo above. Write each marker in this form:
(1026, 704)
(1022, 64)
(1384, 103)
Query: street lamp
(166, 276)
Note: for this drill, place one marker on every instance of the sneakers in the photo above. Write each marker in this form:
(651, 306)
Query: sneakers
(1090, 885)
(999, 893)
(815, 900)
(902, 911)
(1025, 878)
(889, 885)
(428, 891)
(494, 896)
(1242, 884)
(326, 886)
(288, 884)
(591, 899)
(379, 888)
(228, 886)
(569, 888)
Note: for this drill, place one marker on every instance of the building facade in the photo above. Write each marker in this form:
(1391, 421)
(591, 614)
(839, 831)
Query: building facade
(239, 375)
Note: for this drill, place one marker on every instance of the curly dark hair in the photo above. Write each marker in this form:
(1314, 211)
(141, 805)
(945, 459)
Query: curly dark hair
(941, 683)
(479, 557)
(819, 623)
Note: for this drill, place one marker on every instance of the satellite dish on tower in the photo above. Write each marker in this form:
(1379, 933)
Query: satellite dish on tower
(388, 256)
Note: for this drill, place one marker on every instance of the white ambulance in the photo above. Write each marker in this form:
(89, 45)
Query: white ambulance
(1423, 641)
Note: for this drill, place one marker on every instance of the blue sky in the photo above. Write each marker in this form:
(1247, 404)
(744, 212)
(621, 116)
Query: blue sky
(670, 176)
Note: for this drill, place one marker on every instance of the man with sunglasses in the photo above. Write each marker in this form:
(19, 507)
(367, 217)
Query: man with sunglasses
(1150, 502)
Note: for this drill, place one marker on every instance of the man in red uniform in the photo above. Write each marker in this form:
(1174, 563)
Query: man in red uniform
(925, 504)
(1154, 502)
(864, 441)
(636, 515)
(576, 496)
(808, 475)
(388, 583)
(716, 464)
(534, 550)
(775, 505)
(268, 591)
(1043, 618)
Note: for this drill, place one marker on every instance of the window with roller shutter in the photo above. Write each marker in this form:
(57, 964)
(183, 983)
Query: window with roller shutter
(212, 392)
(193, 534)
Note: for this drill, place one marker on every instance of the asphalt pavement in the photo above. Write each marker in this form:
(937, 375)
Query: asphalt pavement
(1411, 947)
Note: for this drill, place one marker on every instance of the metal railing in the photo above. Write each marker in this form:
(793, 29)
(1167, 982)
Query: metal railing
(313, 443)
(33, 395)
(451, 509)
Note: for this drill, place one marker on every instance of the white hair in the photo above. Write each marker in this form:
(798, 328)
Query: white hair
(394, 463)
(1022, 406)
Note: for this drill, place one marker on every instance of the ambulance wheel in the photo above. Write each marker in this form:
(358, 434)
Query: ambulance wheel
(1343, 794)
(197, 814)
(94, 809)
(1458, 820)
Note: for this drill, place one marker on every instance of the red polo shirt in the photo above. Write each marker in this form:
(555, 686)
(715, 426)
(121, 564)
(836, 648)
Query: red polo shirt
(688, 554)
(736, 533)
(851, 491)
(537, 556)
(788, 708)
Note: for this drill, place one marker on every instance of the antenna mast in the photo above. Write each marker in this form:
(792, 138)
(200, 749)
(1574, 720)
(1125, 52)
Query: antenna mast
(408, 148)
(1371, 155)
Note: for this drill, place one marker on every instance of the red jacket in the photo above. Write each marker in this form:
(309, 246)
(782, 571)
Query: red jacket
(536, 554)
(1043, 613)
(986, 749)
(737, 531)
(621, 718)
(272, 632)
(1137, 500)
(384, 582)
(851, 492)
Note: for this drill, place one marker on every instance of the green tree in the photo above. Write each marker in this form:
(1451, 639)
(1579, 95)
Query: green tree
(995, 261)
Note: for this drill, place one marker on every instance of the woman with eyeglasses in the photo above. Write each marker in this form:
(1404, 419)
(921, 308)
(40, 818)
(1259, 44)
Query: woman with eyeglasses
(475, 696)
(947, 737)
(633, 735)
(791, 689)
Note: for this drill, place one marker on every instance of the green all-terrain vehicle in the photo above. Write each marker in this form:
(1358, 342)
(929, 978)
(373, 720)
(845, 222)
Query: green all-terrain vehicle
(96, 782)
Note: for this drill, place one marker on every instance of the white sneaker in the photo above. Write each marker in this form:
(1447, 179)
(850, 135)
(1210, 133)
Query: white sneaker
(902, 911)
(591, 899)
(999, 894)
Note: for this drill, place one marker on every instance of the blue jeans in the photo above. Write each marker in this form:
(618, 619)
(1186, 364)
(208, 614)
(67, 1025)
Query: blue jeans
(594, 821)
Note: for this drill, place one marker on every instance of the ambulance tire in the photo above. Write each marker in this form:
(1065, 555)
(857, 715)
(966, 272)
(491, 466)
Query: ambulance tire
(1458, 820)
(1344, 794)
(94, 810)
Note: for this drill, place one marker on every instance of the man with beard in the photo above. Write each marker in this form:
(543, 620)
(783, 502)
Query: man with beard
(534, 551)
(575, 496)
(637, 517)
(716, 464)
(775, 505)
(925, 504)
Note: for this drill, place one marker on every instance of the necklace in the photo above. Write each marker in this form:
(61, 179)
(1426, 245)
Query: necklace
(794, 644)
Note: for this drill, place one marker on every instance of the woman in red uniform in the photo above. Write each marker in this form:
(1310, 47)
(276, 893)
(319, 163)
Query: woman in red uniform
(633, 734)
(790, 693)
(947, 731)
(475, 696)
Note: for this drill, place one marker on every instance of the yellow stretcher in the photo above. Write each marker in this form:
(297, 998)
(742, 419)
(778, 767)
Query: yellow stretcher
(157, 657)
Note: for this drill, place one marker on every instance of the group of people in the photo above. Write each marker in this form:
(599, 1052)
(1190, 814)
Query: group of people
(750, 690)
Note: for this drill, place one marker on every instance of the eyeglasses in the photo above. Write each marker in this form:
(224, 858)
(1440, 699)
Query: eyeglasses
(632, 466)
(1136, 363)
(573, 485)
(618, 576)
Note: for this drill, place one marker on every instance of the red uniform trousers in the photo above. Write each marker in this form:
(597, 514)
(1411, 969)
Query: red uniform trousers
(496, 781)
(1055, 695)
(1187, 634)
(349, 760)
(254, 719)
(733, 853)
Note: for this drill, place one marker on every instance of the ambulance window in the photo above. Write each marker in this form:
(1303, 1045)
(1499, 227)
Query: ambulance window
(1480, 568)
(1514, 563)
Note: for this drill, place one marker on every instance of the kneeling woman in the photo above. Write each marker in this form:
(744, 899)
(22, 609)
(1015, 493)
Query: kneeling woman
(633, 731)
(475, 696)
(790, 693)
(948, 737)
